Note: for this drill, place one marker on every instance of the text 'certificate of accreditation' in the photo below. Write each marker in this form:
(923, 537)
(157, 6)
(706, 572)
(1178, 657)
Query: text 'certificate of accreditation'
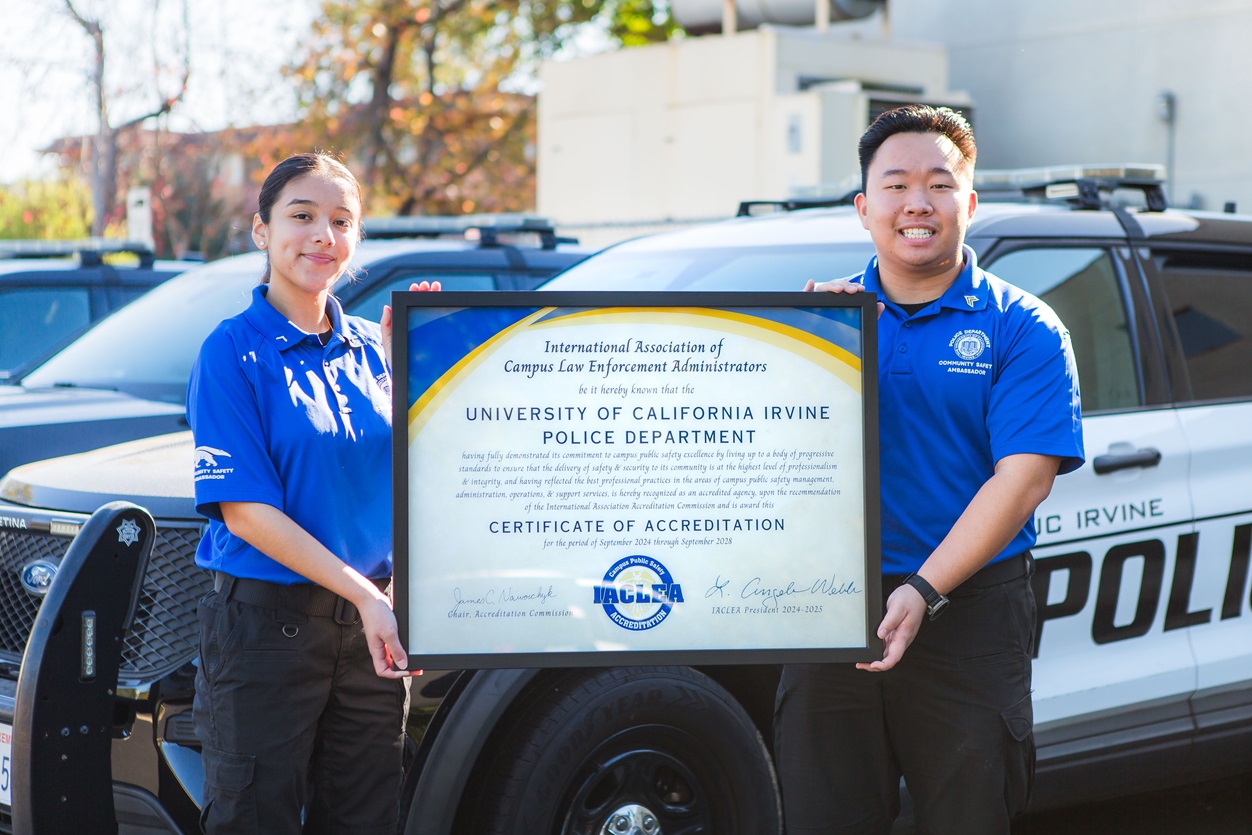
(613, 478)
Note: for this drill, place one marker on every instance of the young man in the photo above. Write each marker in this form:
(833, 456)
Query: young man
(978, 411)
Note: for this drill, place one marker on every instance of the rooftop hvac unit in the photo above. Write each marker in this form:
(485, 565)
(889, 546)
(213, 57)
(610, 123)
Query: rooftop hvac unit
(699, 16)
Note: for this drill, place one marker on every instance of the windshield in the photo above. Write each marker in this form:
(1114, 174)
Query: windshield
(147, 348)
(776, 267)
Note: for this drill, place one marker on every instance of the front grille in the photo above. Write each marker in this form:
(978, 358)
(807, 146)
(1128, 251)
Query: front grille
(18, 607)
(164, 633)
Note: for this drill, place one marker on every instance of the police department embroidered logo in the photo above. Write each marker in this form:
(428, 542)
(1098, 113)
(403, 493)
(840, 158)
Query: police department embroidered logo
(128, 532)
(969, 345)
(637, 593)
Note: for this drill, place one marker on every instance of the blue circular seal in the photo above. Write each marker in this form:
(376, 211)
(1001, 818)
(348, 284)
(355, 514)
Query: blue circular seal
(638, 593)
(970, 344)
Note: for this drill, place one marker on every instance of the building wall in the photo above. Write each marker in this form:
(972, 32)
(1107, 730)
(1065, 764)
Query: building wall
(682, 132)
(1076, 81)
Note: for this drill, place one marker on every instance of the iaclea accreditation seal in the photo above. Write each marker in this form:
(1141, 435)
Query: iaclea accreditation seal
(638, 593)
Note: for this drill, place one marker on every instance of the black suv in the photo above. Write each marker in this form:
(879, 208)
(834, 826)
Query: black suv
(1144, 669)
(126, 378)
(51, 291)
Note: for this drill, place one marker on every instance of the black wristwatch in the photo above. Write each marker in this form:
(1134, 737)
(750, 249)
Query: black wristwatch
(935, 602)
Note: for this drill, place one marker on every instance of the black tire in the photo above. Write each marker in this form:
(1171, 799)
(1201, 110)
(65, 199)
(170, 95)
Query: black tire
(668, 740)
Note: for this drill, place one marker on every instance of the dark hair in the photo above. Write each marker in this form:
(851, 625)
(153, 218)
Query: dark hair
(293, 168)
(917, 118)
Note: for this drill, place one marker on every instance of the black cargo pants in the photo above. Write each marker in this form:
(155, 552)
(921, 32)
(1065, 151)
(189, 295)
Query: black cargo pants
(953, 718)
(298, 732)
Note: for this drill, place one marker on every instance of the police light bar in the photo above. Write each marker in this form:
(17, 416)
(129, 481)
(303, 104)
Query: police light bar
(70, 248)
(1018, 178)
(440, 225)
(1079, 184)
(753, 208)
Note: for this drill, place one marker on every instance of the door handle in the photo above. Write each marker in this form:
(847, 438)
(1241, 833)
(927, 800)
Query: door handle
(1147, 457)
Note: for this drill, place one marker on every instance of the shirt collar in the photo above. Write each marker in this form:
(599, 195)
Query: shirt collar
(279, 330)
(968, 292)
(346, 330)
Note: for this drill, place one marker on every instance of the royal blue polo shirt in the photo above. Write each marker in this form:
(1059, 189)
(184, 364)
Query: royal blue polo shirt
(983, 372)
(280, 419)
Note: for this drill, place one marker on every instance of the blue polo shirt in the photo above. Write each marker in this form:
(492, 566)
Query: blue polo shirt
(280, 419)
(983, 372)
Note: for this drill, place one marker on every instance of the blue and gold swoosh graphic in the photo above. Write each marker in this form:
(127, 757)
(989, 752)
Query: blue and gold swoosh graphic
(446, 344)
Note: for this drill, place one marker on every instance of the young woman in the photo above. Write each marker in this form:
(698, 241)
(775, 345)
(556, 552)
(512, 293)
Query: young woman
(297, 706)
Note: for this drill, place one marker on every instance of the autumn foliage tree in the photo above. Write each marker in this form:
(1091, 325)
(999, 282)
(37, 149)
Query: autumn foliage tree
(48, 210)
(428, 100)
(641, 22)
(424, 99)
(203, 196)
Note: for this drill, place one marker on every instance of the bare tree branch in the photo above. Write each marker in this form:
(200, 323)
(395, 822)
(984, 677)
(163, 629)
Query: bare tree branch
(103, 172)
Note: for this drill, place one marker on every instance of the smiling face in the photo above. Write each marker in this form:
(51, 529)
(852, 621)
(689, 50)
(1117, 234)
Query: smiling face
(917, 204)
(312, 233)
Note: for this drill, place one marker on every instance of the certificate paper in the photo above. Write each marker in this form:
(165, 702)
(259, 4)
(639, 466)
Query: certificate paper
(611, 478)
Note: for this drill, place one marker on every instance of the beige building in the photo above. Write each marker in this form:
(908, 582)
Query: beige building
(683, 131)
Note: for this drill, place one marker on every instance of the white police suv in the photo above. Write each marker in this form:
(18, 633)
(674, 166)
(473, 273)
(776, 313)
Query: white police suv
(1143, 670)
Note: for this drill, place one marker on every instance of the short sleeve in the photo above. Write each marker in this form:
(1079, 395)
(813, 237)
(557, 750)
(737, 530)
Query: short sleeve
(232, 459)
(1035, 404)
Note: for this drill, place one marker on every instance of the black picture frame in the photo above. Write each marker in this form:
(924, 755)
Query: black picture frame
(425, 353)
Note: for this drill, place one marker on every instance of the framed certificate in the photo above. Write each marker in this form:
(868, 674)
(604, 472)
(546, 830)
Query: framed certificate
(623, 478)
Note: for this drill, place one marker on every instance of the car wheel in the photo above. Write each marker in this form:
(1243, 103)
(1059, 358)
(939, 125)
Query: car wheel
(635, 751)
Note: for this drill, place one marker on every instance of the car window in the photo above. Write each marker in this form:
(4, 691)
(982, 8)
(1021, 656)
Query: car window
(723, 268)
(370, 305)
(1210, 298)
(1081, 285)
(129, 294)
(33, 320)
(147, 348)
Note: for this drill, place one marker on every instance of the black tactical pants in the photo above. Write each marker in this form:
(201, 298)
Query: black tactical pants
(298, 732)
(953, 718)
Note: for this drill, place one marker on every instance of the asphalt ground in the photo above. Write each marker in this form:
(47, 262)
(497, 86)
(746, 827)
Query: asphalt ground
(1220, 807)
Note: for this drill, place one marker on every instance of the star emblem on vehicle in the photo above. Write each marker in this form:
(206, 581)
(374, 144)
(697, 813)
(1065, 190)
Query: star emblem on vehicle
(128, 532)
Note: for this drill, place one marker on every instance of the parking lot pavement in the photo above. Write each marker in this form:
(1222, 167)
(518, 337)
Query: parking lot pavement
(1222, 807)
